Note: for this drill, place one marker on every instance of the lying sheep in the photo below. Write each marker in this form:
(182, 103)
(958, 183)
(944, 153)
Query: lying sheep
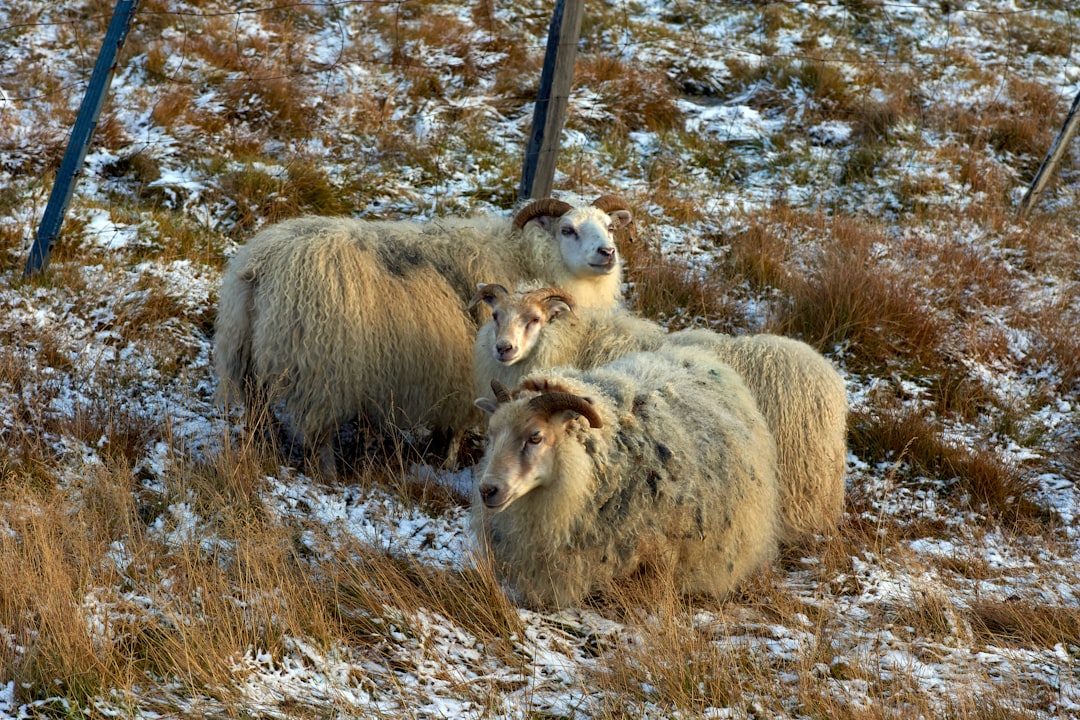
(805, 403)
(656, 460)
(799, 392)
(331, 319)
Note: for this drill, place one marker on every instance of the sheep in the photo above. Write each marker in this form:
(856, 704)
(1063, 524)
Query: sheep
(332, 319)
(522, 334)
(800, 393)
(804, 401)
(655, 461)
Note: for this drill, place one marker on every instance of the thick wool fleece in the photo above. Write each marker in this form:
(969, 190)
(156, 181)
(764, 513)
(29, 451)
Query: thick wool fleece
(797, 389)
(805, 404)
(334, 318)
(681, 477)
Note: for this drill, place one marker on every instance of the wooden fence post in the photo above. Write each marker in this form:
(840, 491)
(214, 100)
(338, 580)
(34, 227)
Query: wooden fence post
(1068, 129)
(538, 174)
(81, 135)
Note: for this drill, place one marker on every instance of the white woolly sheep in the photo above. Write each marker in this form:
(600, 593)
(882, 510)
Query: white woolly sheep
(523, 335)
(656, 460)
(331, 319)
(805, 403)
(798, 390)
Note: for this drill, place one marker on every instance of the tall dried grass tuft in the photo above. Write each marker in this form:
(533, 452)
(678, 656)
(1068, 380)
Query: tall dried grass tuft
(629, 98)
(978, 478)
(663, 659)
(1025, 623)
(377, 594)
(848, 297)
(51, 558)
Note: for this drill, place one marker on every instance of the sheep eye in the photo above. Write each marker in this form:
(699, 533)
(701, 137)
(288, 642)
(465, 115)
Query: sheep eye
(535, 439)
(569, 231)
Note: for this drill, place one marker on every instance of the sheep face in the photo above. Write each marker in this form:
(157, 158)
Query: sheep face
(522, 458)
(519, 319)
(586, 238)
(524, 439)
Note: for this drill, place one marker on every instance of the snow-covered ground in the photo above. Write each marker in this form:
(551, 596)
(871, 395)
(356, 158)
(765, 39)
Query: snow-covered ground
(88, 340)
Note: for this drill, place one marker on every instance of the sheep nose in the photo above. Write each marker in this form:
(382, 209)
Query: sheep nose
(487, 492)
(505, 352)
(608, 252)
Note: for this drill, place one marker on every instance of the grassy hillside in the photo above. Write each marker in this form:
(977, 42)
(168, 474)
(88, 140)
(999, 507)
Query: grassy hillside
(847, 173)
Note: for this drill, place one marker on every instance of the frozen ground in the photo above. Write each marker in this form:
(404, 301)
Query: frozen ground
(436, 667)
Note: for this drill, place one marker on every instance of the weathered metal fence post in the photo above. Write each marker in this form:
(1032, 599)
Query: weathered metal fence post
(81, 135)
(1068, 129)
(538, 174)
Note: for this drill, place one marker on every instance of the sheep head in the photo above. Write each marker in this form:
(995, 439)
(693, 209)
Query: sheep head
(520, 319)
(586, 234)
(524, 435)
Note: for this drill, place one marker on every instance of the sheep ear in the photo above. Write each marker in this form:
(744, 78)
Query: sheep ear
(622, 218)
(557, 308)
(485, 404)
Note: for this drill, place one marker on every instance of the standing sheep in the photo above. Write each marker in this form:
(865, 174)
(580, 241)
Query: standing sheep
(331, 319)
(656, 460)
(798, 390)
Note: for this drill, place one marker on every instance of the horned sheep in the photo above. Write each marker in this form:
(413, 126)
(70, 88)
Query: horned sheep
(331, 319)
(656, 460)
(798, 390)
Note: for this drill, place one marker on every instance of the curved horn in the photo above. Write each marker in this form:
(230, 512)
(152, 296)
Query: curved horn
(546, 206)
(607, 203)
(561, 295)
(487, 293)
(550, 403)
(502, 395)
(546, 294)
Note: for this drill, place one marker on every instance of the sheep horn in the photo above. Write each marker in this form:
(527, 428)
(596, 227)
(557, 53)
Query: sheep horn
(502, 395)
(487, 293)
(546, 294)
(551, 403)
(609, 203)
(546, 206)
(559, 294)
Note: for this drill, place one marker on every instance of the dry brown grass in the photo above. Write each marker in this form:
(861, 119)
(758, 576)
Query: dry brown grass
(676, 292)
(47, 558)
(82, 555)
(980, 477)
(637, 99)
(763, 252)
(1025, 623)
(908, 299)
(848, 297)
(375, 589)
(663, 658)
